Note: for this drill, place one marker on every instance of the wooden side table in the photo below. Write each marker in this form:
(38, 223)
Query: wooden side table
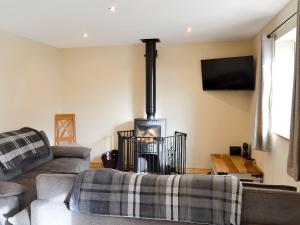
(244, 169)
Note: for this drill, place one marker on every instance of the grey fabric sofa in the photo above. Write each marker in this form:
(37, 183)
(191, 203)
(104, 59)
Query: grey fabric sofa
(18, 189)
(260, 207)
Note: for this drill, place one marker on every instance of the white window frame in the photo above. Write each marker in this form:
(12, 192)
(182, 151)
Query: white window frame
(280, 105)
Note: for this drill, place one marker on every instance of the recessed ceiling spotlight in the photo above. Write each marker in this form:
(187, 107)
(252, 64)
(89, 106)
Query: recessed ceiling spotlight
(85, 35)
(112, 8)
(189, 29)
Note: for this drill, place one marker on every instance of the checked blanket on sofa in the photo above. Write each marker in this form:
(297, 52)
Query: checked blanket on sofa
(202, 199)
(20, 148)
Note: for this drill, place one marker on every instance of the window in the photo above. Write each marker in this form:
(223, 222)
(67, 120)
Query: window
(282, 84)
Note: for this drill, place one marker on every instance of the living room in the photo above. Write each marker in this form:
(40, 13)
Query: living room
(88, 59)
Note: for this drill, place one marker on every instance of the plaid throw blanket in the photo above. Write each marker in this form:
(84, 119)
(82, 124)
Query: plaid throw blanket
(201, 199)
(20, 148)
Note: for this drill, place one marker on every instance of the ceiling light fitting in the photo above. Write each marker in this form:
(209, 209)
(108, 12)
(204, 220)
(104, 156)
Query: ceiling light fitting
(112, 8)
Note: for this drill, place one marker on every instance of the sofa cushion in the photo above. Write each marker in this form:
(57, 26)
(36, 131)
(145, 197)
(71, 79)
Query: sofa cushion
(28, 180)
(22, 148)
(9, 175)
(10, 189)
(8, 207)
(63, 184)
(21, 218)
(36, 163)
(65, 165)
(70, 151)
(60, 165)
(274, 207)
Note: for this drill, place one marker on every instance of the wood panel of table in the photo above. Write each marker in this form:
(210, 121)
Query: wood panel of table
(245, 169)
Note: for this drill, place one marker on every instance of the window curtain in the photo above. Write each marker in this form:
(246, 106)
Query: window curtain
(262, 123)
(293, 165)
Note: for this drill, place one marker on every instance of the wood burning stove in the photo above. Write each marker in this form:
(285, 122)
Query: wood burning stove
(146, 148)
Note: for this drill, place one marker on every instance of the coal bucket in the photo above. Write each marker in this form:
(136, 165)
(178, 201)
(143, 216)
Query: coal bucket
(110, 159)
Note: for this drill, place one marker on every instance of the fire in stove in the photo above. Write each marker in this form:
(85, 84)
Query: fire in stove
(149, 131)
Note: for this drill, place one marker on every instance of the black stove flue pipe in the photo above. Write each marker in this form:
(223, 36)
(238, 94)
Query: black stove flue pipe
(150, 56)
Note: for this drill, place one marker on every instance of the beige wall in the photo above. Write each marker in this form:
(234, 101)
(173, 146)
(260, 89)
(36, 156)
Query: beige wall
(274, 163)
(29, 84)
(105, 87)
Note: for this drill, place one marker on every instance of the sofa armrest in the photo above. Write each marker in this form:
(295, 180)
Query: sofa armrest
(8, 189)
(71, 152)
(63, 184)
(263, 206)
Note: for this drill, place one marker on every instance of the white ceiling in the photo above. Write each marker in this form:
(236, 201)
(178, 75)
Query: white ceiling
(61, 23)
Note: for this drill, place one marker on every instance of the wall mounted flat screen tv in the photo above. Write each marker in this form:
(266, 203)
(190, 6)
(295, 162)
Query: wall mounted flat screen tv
(235, 73)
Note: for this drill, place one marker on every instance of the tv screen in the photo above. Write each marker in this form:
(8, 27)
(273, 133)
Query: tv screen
(235, 73)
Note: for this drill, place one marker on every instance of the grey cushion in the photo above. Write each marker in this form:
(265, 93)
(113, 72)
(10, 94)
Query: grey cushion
(50, 212)
(60, 165)
(10, 189)
(28, 180)
(9, 175)
(8, 207)
(63, 184)
(21, 218)
(70, 151)
(271, 207)
(37, 163)
(65, 165)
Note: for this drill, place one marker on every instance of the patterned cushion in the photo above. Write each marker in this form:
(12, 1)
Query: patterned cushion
(21, 148)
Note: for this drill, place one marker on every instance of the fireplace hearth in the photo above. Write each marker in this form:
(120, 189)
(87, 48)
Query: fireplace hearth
(146, 148)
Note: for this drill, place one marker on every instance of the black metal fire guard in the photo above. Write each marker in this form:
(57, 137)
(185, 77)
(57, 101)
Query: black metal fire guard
(161, 155)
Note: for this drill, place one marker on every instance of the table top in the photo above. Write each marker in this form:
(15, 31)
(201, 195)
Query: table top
(223, 163)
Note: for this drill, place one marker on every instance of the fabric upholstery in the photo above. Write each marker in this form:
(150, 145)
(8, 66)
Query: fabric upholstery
(10, 189)
(8, 207)
(65, 165)
(28, 180)
(68, 151)
(26, 176)
(27, 167)
(50, 213)
(267, 186)
(260, 207)
(63, 184)
(9, 175)
(60, 193)
(45, 137)
(270, 207)
(37, 163)
(43, 160)
(167, 197)
(20, 148)
(21, 218)
(293, 165)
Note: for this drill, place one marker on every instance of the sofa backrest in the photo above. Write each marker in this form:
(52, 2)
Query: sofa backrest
(260, 206)
(40, 161)
(271, 207)
(8, 175)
